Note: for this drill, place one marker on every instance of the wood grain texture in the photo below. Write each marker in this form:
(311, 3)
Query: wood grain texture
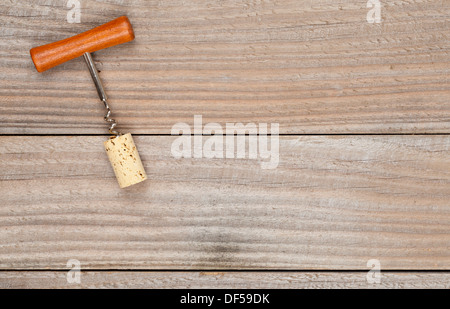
(312, 66)
(332, 203)
(224, 280)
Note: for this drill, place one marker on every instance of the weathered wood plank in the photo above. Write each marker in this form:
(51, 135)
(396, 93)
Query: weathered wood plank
(314, 67)
(332, 203)
(224, 280)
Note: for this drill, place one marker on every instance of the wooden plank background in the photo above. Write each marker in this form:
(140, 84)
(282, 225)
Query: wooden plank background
(225, 280)
(332, 203)
(364, 168)
(313, 67)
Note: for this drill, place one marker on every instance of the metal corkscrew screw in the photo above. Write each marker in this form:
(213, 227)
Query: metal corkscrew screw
(101, 93)
(121, 150)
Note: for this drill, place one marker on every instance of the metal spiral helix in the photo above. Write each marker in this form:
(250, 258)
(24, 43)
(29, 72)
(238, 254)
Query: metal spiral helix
(101, 93)
(111, 121)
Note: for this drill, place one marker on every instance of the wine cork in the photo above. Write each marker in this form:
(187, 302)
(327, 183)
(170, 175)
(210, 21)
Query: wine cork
(125, 160)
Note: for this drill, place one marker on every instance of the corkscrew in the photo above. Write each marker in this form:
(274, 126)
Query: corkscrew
(120, 149)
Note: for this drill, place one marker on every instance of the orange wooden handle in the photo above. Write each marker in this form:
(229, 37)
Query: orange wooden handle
(113, 33)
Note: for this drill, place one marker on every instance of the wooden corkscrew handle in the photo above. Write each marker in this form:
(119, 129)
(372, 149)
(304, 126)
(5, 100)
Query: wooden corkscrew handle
(110, 34)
